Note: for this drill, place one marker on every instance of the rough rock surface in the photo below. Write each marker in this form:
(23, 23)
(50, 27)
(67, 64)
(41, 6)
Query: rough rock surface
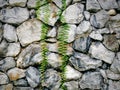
(73, 14)
(3, 3)
(92, 5)
(33, 76)
(16, 73)
(97, 49)
(108, 4)
(91, 80)
(83, 27)
(14, 15)
(20, 3)
(82, 44)
(29, 56)
(9, 33)
(86, 31)
(71, 30)
(52, 79)
(7, 63)
(49, 14)
(6, 87)
(114, 85)
(99, 19)
(4, 78)
(60, 5)
(30, 33)
(72, 74)
(83, 62)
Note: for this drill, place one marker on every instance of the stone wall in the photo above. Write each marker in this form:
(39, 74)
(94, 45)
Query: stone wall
(59, 45)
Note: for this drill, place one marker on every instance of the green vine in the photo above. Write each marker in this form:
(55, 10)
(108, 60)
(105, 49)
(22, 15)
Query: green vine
(62, 44)
(62, 48)
(64, 4)
(44, 50)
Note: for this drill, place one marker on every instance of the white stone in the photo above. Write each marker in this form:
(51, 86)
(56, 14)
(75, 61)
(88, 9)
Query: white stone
(83, 27)
(49, 14)
(9, 33)
(52, 33)
(59, 3)
(16, 73)
(54, 60)
(96, 36)
(73, 14)
(29, 31)
(98, 51)
(71, 73)
(13, 49)
(20, 3)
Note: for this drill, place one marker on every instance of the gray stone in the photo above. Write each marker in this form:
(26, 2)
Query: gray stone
(114, 85)
(1, 31)
(3, 3)
(29, 31)
(49, 13)
(69, 30)
(111, 43)
(20, 3)
(73, 14)
(23, 88)
(54, 60)
(83, 62)
(52, 79)
(21, 82)
(60, 3)
(103, 31)
(82, 44)
(91, 80)
(7, 63)
(112, 75)
(51, 40)
(108, 4)
(83, 27)
(72, 85)
(115, 67)
(32, 13)
(13, 49)
(16, 73)
(74, 1)
(72, 74)
(52, 47)
(33, 77)
(114, 26)
(96, 35)
(31, 55)
(92, 5)
(87, 15)
(98, 51)
(36, 3)
(9, 33)
(99, 19)
(3, 78)
(14, 15)
(3, 48)
(6, 87)
(52, 33)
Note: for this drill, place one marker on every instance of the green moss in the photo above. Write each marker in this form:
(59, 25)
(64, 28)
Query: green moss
(44, 62)
(62, 48)
(44, 31)
(44, 10)
(64, 4)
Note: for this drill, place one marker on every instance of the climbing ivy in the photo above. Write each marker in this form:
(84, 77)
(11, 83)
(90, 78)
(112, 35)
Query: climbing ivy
(62, 38)
(62, 48)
